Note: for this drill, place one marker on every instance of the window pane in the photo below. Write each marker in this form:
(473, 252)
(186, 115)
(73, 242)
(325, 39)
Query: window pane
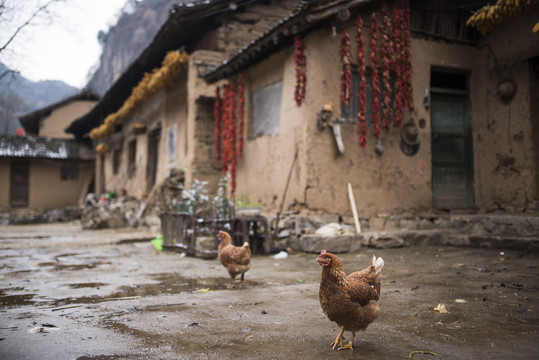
(267, 109)
(69, 172)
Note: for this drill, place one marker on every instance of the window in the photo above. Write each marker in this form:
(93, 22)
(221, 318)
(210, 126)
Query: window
(69, 172)
(267, 109)
(350, 111)
(132, 157)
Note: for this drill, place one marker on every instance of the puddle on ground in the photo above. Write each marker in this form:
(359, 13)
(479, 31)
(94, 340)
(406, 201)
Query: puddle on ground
(166, 284)
(86, 285)
(60, 267)
(14, 301)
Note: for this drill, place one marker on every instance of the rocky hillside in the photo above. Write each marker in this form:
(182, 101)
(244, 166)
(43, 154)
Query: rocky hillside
(121, 45)
(125, 41)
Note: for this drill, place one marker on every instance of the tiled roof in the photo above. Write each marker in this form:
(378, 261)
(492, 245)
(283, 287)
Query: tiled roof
(14, 146)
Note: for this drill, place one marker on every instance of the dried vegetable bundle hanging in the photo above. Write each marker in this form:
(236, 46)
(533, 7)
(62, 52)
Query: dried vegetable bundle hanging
(362, 108)
(301, 70)
(173, 64)
(241, 110)
(346, 71)
(491, 16)
(229, 127)
(390, 57)
(217, 111)
(385, 52)
(398, 49)
(375, 77)
(407, 60)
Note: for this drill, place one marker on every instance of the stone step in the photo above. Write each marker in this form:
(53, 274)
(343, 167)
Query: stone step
(313, 243)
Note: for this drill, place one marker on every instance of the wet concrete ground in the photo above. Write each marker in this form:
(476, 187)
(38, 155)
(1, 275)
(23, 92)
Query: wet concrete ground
(84, 296)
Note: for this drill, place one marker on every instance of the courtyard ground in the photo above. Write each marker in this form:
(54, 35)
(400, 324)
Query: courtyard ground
(66, 293)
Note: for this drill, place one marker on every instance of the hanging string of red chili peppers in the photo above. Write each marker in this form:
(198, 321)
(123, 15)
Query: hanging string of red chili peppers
(346, 72)
(229, 126)
(397, 50)
(407, 55)
(217, 111)
(241, 110)
(385, 52)
(228, 135)
(375, 78)
(362, 108)
(301, 70)
(394, 58)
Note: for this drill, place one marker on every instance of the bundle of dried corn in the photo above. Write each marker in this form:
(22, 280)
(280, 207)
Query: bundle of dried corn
(172, 65)
(491, 16)
(102, 148)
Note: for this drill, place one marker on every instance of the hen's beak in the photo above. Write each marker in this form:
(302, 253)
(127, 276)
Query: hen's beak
(317, 260)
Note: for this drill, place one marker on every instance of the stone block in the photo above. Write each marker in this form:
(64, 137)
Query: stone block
(334, 244)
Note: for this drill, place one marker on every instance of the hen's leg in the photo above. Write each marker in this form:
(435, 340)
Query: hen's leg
(350, 343)
(242, 279)
(233, 286)
(338, 340)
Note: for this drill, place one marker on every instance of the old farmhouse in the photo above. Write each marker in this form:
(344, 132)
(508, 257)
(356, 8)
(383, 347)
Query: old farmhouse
(415, 105)
(46, 170)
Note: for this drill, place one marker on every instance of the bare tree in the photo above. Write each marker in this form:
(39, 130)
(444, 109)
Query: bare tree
(7, 7)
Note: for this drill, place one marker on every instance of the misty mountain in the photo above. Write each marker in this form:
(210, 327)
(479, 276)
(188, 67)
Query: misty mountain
(136, 27)
(19, 96)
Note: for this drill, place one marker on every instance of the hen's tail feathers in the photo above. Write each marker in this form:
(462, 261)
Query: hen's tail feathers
(245, 244)
(378, 264)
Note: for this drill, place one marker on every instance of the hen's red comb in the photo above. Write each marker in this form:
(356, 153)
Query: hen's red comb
(323, 252)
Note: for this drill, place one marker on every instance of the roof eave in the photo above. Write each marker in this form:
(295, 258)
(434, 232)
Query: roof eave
(302, 19)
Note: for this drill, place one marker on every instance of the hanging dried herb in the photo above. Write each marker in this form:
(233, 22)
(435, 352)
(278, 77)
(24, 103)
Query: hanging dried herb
(217, 113)
(301, 70)
(346, 72)
(241, 110)
(362, 109)
(385, 52)
(375, 77)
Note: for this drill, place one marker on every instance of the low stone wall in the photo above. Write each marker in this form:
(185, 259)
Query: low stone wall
(39, 216)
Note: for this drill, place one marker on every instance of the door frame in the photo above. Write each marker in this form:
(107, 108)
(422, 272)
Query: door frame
(467, 137)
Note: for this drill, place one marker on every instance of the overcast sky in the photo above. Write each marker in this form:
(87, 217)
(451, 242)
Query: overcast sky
(61, 45)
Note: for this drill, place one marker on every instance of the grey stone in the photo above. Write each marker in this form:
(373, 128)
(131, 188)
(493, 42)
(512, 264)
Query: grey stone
(334, 244)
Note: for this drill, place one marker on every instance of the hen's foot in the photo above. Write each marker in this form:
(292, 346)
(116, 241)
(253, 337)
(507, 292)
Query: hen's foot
(338, 340)
(347, 346)
(350, 343)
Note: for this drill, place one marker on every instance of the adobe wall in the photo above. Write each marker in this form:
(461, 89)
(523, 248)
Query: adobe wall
(5, 173)
(506, 167)
(61, 117)
(262, 174)
(392, 182)
(47, 191)
(150, 113)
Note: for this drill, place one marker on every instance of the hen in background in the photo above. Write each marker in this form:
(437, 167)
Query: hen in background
(236, 259)
(350, 301)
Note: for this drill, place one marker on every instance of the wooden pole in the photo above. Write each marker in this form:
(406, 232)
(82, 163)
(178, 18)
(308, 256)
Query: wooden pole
(354, 209)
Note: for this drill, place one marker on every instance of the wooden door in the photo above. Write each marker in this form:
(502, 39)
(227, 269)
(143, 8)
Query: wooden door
(153, 157)
(451, 144)
(18, 183)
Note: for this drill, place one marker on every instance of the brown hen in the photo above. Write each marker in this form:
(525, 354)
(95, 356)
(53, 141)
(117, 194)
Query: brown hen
(236, 259)
(350, 301)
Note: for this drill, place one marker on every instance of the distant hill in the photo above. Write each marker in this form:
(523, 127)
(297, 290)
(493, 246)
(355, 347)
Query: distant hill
(125, 41)
(136, 27)
(19, 96)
